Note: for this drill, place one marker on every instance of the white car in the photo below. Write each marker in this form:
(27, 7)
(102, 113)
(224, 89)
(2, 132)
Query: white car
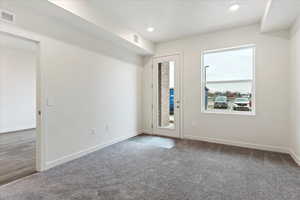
(241, 104)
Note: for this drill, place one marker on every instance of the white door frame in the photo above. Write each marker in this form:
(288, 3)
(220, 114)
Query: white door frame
(179, 91)
(40, 112)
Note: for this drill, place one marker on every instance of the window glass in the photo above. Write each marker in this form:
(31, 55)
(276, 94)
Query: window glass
(166, 83)
(228, 80)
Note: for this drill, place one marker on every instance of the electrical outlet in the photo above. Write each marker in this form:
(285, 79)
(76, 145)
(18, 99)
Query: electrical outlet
(106, 127)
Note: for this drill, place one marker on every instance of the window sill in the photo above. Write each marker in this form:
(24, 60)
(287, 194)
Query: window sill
(252, 113)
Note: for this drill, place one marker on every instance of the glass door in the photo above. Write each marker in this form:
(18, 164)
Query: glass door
(166, 93)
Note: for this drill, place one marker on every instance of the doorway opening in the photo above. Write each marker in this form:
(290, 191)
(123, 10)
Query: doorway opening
(18, 107)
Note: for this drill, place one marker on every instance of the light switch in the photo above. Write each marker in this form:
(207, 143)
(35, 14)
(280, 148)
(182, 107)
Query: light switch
(50, 102)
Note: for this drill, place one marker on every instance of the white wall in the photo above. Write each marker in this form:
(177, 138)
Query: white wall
(85, 91)
(147, 96)
(18, 60)
(295, 91)
(85, 10)
(90, 89)
(269, 129)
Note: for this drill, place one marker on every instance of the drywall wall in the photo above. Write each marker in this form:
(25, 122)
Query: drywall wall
(147, 96)
(269, 128)
(91, 12)
(18, 59)
(295, 91)
(91, 98)
(29, 17)
(90, 90)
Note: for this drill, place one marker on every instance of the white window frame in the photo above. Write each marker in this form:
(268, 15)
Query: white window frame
(203, 82)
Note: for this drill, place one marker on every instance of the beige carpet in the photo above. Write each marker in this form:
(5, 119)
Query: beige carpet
(150, 168)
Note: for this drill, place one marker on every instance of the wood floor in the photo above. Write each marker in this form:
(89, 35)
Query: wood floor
(17, 155)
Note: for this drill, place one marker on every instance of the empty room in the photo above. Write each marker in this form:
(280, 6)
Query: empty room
(149, 100)
(17, 107)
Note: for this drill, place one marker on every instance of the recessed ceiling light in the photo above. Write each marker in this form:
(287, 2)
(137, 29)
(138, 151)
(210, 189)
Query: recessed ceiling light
(234, 7)
(150, 29)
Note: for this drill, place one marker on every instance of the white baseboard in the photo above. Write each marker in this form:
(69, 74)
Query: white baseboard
(239, 144)
(150, 132)
(4, 131)
(65, 159)
(79, 154)
(295, 157)
(247, 145)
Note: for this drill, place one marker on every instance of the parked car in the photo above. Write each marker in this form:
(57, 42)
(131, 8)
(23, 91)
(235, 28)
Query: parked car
(242, 104)
(171, 100)
(221, 102)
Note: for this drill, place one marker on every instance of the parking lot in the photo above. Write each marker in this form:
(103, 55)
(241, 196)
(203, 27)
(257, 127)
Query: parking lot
(210, 105)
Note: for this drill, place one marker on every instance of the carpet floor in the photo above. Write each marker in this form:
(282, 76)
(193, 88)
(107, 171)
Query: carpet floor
(138, 169)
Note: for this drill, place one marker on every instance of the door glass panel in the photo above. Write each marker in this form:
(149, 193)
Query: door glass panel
(166, 91)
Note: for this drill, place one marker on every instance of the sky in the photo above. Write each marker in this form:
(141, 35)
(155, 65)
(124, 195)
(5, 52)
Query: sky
(172, 73)
(229, 65)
